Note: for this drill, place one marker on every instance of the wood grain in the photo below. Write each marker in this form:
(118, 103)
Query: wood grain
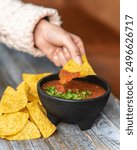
(103, 135)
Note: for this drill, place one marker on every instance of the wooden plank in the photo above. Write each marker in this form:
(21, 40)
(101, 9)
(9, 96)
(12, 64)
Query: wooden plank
(70, 137)
(4, 145)
(96, 141)
(38, 144)
(106, 132)
(113, 114)
(106, 127)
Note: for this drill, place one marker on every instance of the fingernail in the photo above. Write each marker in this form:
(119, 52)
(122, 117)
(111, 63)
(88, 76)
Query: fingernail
(78, 60)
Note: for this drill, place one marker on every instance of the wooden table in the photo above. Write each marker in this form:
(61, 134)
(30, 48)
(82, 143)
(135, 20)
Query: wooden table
(103, 135)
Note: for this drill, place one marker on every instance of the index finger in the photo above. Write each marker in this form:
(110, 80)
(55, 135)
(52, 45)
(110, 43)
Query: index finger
(79, 43)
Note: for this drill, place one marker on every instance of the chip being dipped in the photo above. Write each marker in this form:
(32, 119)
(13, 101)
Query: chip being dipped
(73, 70)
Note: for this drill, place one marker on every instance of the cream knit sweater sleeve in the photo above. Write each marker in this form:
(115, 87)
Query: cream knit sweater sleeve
(17, 22)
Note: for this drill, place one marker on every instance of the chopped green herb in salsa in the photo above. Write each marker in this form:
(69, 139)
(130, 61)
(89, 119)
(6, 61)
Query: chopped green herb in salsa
(69, 94)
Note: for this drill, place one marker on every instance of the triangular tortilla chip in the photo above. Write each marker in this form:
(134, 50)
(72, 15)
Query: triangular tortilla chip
(73, 70)
(12, 100)
(13, 123)
(84, 69)
(32, 80)
(0, 109)
(44, 125)
(30, 131)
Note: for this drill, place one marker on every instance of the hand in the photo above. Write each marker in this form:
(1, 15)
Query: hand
(57, 44)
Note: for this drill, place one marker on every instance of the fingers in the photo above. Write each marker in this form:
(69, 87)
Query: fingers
(48, 36)
(55, 58)
(60, 57)
(69, 46)
(51, 52)
(66, 54)
(79, 43)
(56, 61)
(47, 48)
(72, 48)
(57, 55)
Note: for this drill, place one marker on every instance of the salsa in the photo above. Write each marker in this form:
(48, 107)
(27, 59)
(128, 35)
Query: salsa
(66, 76)
(75, 89)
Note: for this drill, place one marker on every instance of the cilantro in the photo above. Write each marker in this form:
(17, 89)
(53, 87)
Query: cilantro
(52, 91)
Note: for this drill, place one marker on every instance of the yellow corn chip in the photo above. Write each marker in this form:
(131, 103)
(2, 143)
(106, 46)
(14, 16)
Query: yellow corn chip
(2, 137)
(0, 109)
(32, 80)
(33, 96)
(13, 123)
(43, 110)
(13, 101)
(44, 125)
(23, 87)
(84, 69)
(30, 131)
(25, 110)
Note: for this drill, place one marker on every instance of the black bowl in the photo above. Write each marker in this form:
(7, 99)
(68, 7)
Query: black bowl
(80, 112)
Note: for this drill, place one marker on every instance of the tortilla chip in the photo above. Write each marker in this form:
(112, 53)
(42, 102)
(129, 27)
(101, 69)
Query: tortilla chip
(13, 101)
(0, 109)
(84, 69)
(32, 80)
(13, 123)
(33, 96)
(30, 131)
(43, 110)
(25, 110)
(23, 87)
(2, 137)
(73, 70)
(44, 125)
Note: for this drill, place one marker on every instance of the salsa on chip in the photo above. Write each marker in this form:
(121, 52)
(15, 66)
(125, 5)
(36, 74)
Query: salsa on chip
(73, 70)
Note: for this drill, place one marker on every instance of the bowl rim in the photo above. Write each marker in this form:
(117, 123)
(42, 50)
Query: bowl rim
(72, 100)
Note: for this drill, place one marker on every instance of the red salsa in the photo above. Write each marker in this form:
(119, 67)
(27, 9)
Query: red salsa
(66, 76)
(83, 89)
